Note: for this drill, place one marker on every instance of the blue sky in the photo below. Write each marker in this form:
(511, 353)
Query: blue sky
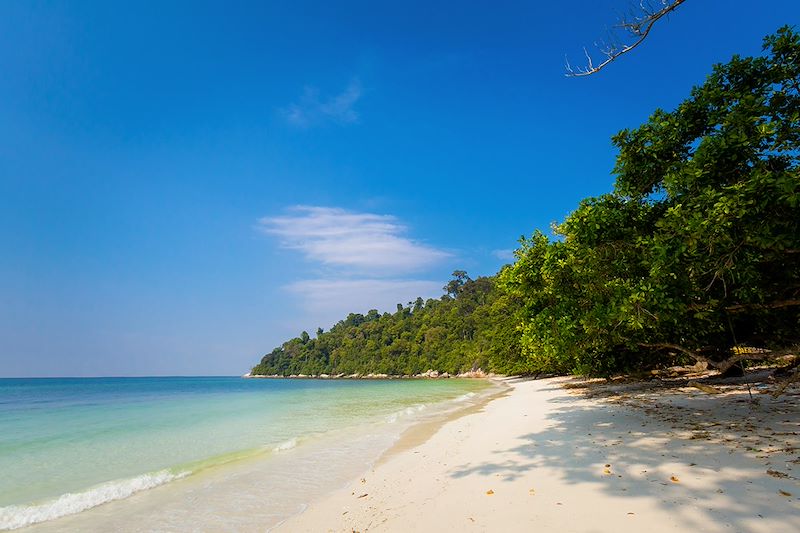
(183, 186)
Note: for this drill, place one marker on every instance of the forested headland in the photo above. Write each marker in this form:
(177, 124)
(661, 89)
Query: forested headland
(693, 256)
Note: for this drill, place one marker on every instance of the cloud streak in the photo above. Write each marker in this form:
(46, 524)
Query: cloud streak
(370, 261)
(313, 109)
(357, 242)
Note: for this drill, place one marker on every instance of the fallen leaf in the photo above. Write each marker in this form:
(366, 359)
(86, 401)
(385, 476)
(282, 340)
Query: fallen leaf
(674, 479)
(775, 473)
(363, 495)
(490, 492)
(708, 389)
(784, 493)
(608, 466)
(607, 471)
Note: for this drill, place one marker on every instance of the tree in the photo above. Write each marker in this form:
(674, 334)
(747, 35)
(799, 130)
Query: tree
(724, 167)
(629, 33)
(454, 286)
(476, 329)
(697, 249)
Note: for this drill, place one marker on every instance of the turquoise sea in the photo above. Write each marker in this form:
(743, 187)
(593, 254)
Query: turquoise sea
(69, 446)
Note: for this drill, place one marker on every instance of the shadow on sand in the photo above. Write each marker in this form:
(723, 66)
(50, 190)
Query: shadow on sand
(727, 458)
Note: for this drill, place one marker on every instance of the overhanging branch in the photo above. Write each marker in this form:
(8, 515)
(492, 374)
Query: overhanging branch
(638, 27)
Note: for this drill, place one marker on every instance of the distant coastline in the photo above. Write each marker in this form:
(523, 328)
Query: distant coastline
(430, 374)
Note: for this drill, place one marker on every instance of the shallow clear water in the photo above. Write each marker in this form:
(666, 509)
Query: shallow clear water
(67, 445)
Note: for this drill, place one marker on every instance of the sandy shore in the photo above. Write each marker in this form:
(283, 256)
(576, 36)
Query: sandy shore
(546, 458)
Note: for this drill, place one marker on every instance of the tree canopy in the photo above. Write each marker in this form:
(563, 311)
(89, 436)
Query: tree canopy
(471, 327)
(697, 249)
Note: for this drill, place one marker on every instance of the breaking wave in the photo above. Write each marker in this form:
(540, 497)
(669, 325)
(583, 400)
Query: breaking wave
(286, 445)
(16, 516)
(408, 411)
(464, 397)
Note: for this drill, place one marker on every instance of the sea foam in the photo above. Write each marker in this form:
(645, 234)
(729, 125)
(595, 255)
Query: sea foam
(408, 411)
(286, 445)
(16, 516)
(464, 397)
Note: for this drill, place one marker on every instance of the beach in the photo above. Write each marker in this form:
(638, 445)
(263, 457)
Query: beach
(547, 457)
(555, 454)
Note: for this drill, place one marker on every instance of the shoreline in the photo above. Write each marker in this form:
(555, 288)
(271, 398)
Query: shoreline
(234, 492)
(421, 431)
(430, 374)
(544, 457)
(417, 433)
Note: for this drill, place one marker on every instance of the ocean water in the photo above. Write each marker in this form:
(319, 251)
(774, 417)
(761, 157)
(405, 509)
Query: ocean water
(198, 452)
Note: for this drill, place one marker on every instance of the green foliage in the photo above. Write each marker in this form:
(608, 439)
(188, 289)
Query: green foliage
(698, 245)
(473, 327)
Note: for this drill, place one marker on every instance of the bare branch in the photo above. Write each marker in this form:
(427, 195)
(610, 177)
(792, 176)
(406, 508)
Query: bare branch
(675, 347)
(793, 376)
(638, 26)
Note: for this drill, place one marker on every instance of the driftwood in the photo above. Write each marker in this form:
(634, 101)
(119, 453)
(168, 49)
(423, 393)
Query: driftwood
(741, 354)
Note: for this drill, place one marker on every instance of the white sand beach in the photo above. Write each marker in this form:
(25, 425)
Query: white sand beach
(546, 458)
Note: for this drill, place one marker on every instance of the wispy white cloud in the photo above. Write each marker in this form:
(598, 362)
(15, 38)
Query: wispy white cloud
(314, 109)
(504, 254)
(326, 301)
(364, 243)
(369, 260)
